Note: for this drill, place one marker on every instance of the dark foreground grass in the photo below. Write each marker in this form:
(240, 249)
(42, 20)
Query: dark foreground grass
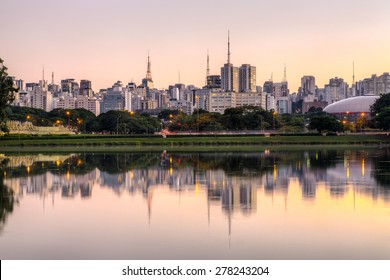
(123, 142)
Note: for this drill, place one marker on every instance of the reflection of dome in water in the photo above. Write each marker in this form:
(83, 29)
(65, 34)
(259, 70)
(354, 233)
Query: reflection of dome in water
(358, 104)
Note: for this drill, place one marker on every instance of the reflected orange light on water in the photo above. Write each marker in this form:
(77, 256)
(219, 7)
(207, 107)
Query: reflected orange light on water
(285, 210)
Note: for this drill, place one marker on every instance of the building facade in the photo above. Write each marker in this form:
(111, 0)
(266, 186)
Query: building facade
(247, 78)
(229, 78)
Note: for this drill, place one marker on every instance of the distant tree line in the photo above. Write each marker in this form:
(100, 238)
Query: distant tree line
(246, 118)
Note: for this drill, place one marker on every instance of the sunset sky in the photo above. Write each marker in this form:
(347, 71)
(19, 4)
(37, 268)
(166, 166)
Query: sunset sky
(106, 41)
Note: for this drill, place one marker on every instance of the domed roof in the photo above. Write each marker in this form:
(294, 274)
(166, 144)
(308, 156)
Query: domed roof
(358, 104)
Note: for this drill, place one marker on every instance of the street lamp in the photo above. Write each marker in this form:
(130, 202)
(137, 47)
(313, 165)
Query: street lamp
(274, 114)
(197, 111)
(361, 129)
(68, 115)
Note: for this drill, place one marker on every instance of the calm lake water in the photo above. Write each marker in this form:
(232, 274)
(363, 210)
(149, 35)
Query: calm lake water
(317, 204)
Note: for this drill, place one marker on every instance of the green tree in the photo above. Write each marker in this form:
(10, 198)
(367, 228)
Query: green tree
(292, 123)
(325, 123)
(167, 114)
(382, 102)
(381, 112)
(382, 119)
(7, 94)
(233, 118)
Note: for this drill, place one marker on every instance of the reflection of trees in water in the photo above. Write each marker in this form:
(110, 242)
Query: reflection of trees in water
(123, 162)
(322, 160)
(241, 164)
(7, 200)
(236, 162)
(381, 168)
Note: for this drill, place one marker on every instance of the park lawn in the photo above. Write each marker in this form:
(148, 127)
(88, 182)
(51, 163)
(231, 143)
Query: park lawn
(188, 140)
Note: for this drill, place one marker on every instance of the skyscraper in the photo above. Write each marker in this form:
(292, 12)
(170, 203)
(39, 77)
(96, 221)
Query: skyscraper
(247, 79)
(336, 90)
(308, 85)
(229, 74)
(268, 86)
(85, 88)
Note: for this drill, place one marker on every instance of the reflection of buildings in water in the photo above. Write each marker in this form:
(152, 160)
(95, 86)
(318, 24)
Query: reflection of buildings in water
(350, 172)
(352, 169)
(74, 184)
(38, 184)
(29, 160)
(48, 182)
(116, 182)
(179, 179)
(277, 180)
(308, 183)
(234, 192)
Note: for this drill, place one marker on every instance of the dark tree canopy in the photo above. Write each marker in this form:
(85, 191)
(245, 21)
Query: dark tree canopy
(381, 112)
(325, 123)
(382, 102)
(7, 94)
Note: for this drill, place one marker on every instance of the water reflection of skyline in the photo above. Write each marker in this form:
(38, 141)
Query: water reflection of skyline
(233, 185)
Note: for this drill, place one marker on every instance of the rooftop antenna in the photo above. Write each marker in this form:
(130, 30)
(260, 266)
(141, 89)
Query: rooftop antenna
(52, 78)
(272, 76)
(179, 76)
(208, 66)
(43, 76)
(285, 74)
(228, 47)
(353, 73)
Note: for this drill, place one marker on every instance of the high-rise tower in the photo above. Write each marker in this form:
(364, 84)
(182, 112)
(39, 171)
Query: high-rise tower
(229, 73)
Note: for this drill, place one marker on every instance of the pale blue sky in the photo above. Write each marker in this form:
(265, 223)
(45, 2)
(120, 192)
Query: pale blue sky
(105, 41)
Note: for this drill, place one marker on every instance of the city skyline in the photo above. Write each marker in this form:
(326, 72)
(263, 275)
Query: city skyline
(106, 42)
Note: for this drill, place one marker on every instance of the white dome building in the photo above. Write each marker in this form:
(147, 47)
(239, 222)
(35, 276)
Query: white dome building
(353, 107)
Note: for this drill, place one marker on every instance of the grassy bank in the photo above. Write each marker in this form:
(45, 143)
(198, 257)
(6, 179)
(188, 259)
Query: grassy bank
(124, 142)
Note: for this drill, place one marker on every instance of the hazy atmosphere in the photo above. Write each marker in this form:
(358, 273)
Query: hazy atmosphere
(106, 41)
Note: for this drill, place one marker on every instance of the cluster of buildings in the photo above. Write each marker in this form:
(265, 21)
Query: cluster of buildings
(234, 87)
